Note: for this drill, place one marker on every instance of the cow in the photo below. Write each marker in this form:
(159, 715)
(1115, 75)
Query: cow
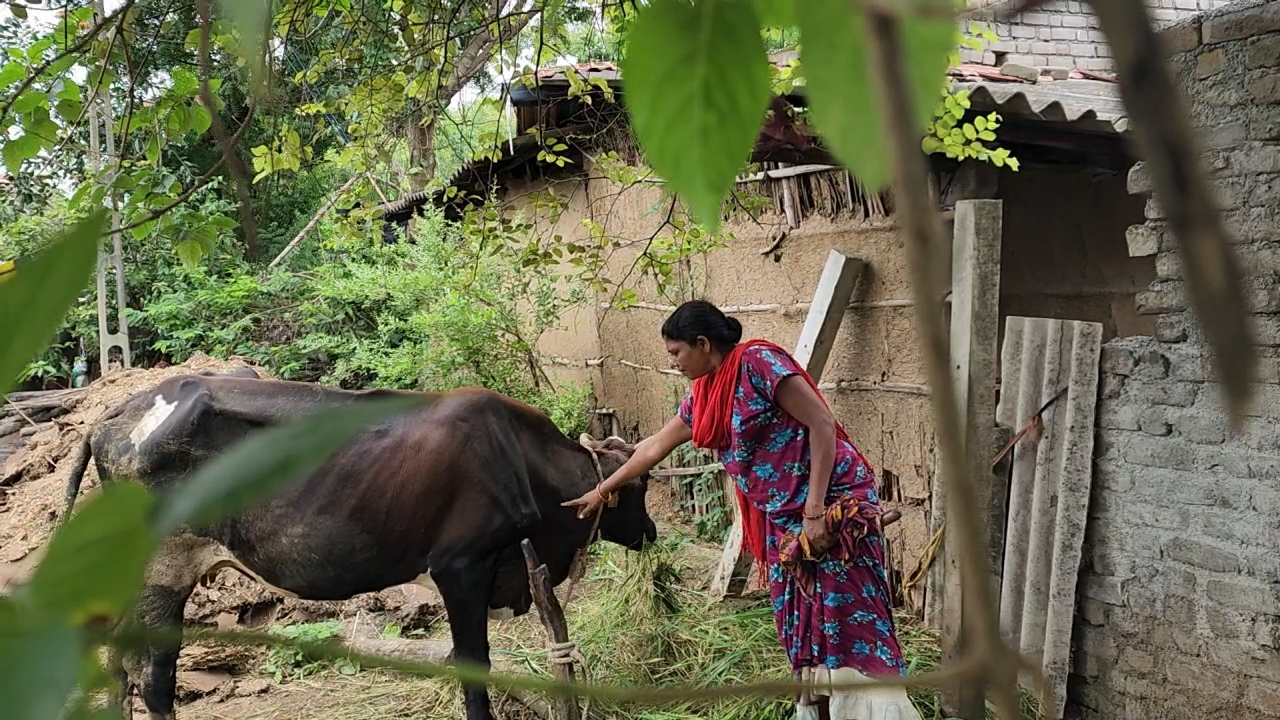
(441, 495)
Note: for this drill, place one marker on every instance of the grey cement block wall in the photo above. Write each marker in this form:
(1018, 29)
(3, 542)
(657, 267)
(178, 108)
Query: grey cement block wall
(1179, 608)
(1064, 33)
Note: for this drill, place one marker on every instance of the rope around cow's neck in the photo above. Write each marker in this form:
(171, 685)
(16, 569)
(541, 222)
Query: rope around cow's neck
(568, 653)
(578, 567)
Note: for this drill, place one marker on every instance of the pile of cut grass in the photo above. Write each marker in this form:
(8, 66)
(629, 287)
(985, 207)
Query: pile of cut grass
(642, 624)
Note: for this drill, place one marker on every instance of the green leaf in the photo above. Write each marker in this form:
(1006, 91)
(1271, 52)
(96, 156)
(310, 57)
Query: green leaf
(250, 18)
(257, 467)
(11, 73)
(185, 82)
(36, 298)
(40, 658)
(28, 101)
(839, 80)
(189, 252)
(19, 10)
(698, 88)
(776, 13)
(95, 562)
(201, 119)
(152, 151)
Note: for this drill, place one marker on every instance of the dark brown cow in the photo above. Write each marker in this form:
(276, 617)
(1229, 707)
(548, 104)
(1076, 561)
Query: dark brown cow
(443, 493)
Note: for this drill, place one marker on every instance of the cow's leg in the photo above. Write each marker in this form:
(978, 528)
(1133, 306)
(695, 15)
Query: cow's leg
(118, 701)
(171, 575)
(465, 585)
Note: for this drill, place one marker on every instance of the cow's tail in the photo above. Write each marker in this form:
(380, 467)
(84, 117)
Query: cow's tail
(83, 455)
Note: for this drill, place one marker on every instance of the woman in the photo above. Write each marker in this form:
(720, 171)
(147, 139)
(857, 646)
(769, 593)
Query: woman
(808, 500)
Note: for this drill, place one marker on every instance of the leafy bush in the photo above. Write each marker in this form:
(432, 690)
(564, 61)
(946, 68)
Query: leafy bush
(430, 312)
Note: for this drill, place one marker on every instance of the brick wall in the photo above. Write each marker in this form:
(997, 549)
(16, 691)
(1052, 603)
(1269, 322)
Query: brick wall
(1066, 34)
(1179, 606)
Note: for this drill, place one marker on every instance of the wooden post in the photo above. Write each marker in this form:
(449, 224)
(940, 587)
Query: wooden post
(835, 290)
(552, 616)
(975, 326)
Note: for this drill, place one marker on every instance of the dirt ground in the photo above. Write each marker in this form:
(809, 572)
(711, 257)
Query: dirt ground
(225, 683)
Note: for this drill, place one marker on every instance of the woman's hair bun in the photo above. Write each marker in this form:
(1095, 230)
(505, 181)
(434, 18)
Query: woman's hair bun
(735, 329)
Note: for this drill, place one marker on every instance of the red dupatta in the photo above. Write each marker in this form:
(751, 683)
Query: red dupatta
(712, 429)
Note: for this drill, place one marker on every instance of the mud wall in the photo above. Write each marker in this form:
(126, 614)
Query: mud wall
(621, 352)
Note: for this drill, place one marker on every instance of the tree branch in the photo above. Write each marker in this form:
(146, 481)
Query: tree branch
(240, 175)
(922, 231)
(31, 78)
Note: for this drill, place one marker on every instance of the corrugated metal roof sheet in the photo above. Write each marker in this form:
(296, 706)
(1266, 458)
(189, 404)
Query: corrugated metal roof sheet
(1083, 96)
(1069, 100)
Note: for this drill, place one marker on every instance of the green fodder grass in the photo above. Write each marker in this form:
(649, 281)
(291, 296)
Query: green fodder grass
(640, 623)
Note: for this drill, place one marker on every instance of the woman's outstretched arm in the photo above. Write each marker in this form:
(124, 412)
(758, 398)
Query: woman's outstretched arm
(649, 452)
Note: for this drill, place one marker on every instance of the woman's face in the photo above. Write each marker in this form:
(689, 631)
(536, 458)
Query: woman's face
(693, 361)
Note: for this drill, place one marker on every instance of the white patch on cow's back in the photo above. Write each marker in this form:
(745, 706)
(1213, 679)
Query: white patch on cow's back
(153, 419)
(425, 580)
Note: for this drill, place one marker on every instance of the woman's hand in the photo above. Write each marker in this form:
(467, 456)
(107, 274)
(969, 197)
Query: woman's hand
(588, 504)
(816, 530)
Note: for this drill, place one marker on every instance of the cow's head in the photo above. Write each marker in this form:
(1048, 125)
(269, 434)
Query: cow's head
(626, 521)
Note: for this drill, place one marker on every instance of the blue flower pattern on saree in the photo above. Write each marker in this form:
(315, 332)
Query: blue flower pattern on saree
(849, 621)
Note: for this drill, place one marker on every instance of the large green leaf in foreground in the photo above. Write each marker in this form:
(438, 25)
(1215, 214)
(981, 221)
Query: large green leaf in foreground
(697, 88)
(35, 298)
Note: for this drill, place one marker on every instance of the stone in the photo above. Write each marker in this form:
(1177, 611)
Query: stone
(1152, 365)
(1093, 612)
(1202, 428)
(1256, 158)
(1022, 72)
(1056, 72)
(1162, 297)
(1225, 623)
(1118, 360)
(1252, 21)
(1265, 190)
(1201, 555)
(1139, 179)
(1262, 697)
(1171, 394)
(1109, 590)
(1168, 265)
(1112, 386)
(1266, 330)
(1265, 631)
(1171, 329)
(1218, 134)
(1156, 452)
(1263, 52)
(1144, 240)
(1245, 595)
(1182, 37)
(1262, 293)
(1210, 63)
(1250, 225)
(1264, 88)
(1154, 211)
(1154, 421)
(1193, 365)
(1118, 417)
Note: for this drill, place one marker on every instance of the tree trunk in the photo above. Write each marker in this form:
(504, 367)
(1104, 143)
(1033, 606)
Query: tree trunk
(422, 149)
